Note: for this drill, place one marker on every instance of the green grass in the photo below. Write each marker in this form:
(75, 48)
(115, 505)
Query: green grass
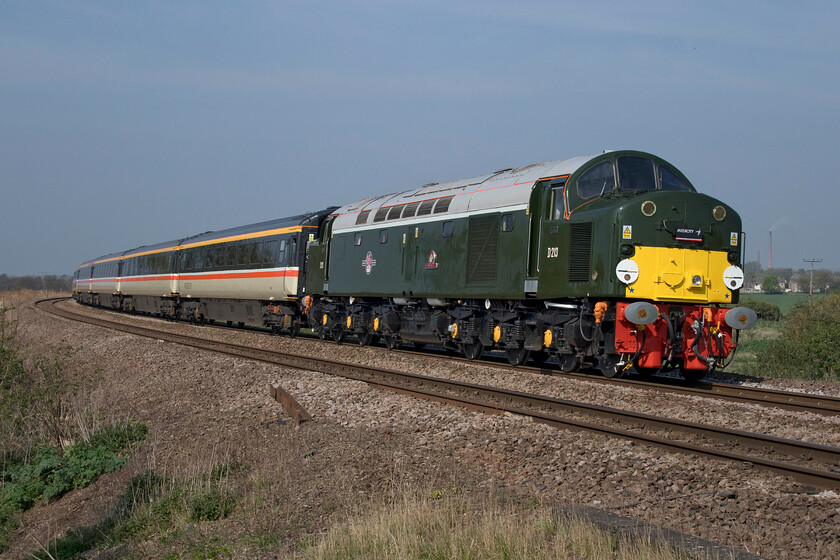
(50, 473)
(783, 301)
(449, 527)
(153, 507)
(803, 345)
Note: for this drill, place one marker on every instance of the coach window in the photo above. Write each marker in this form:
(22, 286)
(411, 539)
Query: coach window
(242, 254)
(290, 251)
(269, 253)
(255, 252)
(357, 239)
(448, 228)
(598, 181)
(383, 236)
(281, 254)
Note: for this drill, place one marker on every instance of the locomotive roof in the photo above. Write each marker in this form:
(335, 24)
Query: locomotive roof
(504, 189)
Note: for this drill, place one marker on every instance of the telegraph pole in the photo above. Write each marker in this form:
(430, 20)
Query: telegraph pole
(812, 261)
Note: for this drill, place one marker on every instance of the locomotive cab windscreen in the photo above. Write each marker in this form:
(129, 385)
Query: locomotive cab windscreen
(628, 174)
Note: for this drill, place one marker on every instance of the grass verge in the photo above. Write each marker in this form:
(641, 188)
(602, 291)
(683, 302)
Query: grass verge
(448, 528)
(50, 472)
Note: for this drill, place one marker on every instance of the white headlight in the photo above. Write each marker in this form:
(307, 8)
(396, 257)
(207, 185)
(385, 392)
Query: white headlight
(733, 277)
(627, 271)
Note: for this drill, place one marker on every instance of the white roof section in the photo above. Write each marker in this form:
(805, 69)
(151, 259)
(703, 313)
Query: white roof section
(505, 189)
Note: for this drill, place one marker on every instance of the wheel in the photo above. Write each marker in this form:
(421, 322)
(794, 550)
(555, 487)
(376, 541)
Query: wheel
(472, 350)
(568, 362)
(612, 372)
(294, 329)
(517, 356)
(338, 334)
(365, 338)
(611, 367)
(392, 342)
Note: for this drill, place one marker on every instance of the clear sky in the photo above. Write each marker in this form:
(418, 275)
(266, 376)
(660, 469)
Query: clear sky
(130, 123)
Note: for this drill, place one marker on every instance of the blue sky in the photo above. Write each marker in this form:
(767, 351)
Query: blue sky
(129, 123)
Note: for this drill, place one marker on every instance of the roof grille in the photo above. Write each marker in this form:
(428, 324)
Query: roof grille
(410, 210)
(425, 208)
(443, 204)
(362, 217)
(381, 214)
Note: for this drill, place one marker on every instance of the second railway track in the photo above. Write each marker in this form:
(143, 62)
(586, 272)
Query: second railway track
(782, 456)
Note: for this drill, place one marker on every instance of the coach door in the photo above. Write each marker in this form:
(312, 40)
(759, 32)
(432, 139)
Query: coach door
(292, 267)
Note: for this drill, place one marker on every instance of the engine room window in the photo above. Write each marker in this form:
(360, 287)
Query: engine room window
(383, 236)
(507, 222)
(357, 239)
(636, 174)
(448, 228)
(668, 180)
(597, 181)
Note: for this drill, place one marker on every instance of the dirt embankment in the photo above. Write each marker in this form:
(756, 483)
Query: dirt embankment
(203, 409)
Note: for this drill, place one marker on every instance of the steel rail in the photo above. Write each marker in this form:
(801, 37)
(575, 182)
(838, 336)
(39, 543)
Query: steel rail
(539, 408)
(825, 405)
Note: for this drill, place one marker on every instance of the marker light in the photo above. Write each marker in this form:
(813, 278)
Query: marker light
(719, 213)
(733, 277)
(696, 280)
(627, 271)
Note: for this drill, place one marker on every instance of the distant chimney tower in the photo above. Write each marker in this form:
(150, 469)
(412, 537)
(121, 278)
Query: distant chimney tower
(770, 256)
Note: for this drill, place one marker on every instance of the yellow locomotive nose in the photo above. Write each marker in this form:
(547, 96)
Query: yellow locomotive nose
(680, 274)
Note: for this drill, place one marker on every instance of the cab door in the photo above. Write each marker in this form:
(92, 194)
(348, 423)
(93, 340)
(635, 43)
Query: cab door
(549, 236)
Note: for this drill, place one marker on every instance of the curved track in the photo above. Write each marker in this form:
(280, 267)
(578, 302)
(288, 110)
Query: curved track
(778, 455)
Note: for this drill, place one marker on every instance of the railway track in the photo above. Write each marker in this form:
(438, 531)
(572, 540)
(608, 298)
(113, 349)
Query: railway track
(792, 458)
(825, 405)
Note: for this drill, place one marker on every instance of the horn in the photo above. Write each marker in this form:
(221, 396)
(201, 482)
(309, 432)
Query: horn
(741, 318)
(641, 313)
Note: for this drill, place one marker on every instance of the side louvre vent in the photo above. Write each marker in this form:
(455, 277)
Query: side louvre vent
(482, 250)
(580, 252)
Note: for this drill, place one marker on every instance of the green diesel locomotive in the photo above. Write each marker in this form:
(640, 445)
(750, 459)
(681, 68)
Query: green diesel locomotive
(609, 261)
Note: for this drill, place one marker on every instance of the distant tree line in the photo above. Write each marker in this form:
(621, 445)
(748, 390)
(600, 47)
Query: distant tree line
(778, 280)
(46, 282)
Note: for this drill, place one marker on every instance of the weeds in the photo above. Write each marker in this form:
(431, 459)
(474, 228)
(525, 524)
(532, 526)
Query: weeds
(153, 505)
(810, 337)
(448, 527)
(51, 473)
